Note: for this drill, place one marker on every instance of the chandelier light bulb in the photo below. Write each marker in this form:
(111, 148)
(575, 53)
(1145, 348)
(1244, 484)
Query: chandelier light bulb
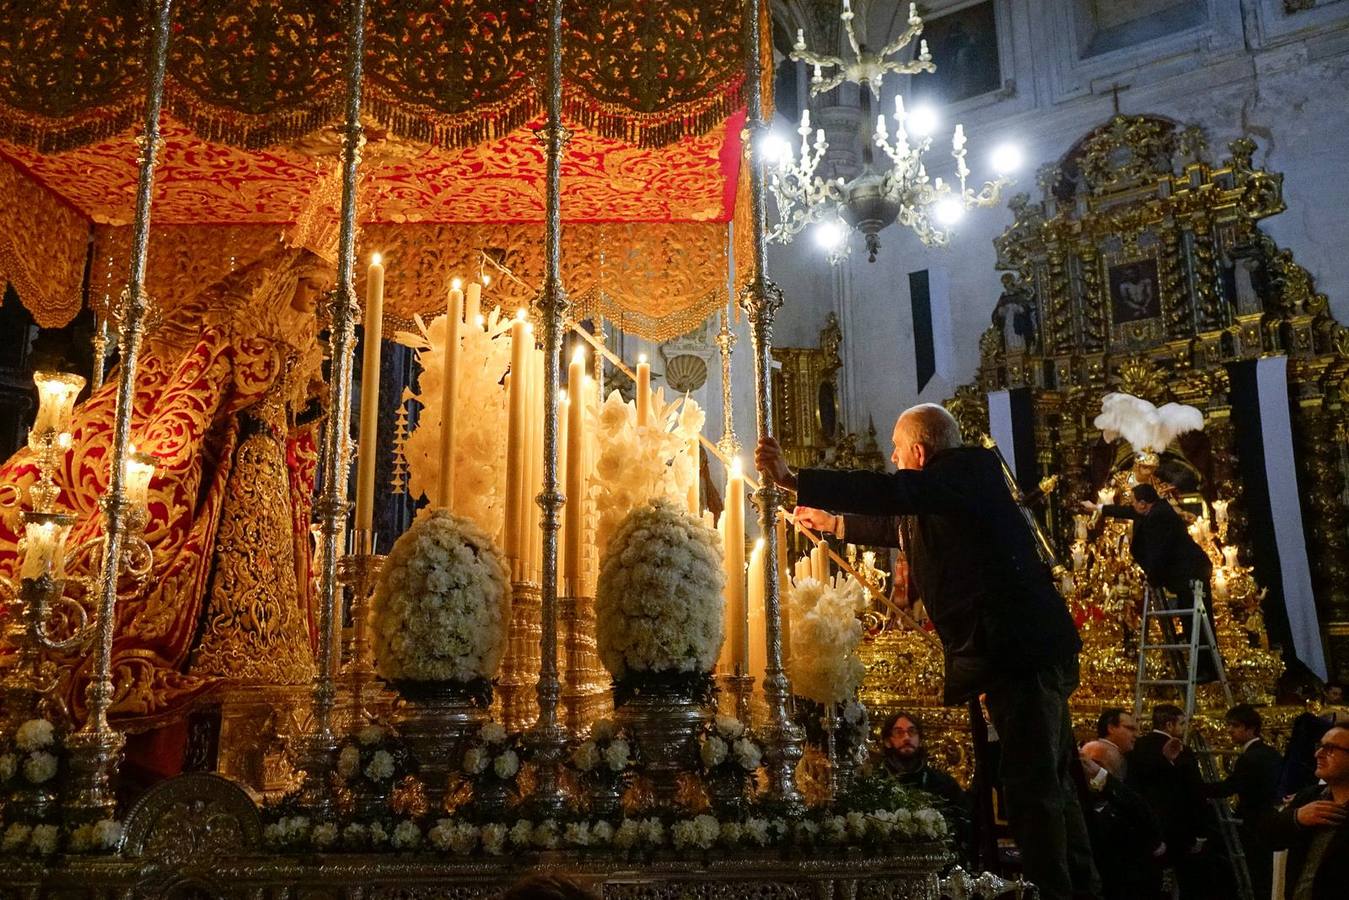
(829, 235)
(457, 283)
(376, 259)
(776, 150)
(923, 121)
(948, 211)
(1006, 158)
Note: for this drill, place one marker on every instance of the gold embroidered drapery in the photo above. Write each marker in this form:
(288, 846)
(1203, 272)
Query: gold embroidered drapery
(42, 248)
(254, 73)
(657, 280)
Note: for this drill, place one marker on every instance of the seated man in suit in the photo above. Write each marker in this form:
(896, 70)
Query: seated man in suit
(1005, 630)
(1255, 780)
(1314, 826)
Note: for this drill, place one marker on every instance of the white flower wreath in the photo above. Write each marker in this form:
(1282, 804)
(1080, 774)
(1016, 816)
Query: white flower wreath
(442, 607)
(658, 606)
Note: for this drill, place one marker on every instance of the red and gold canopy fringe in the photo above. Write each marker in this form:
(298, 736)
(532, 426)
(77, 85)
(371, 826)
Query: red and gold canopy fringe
(255, 73)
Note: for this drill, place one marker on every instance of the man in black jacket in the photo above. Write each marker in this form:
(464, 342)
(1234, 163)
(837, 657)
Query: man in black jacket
(1255, 780)
(1314, 826)
(1167, 776)
(1005, 630)
(1169, 557)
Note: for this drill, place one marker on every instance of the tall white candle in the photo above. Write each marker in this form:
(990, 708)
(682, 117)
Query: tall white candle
(575, 509)
(734, 537)
(473, 304)
(695, 474)
(515, 437)
(643, 391)
(564, 463)
(535, 462)
(449, 389)
(368, 444)
(754, 655)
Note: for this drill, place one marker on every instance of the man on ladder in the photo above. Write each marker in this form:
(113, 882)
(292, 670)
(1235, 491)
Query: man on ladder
(1169, 558)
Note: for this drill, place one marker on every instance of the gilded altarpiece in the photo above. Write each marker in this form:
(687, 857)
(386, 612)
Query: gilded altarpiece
(1143, 270)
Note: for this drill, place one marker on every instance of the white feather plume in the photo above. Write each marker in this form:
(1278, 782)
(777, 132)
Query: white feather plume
(1143, 425)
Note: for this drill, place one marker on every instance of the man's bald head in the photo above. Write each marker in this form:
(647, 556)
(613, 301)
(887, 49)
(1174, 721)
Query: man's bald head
(922, 431)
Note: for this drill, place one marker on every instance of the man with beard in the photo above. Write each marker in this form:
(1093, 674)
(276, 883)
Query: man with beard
(904, 756)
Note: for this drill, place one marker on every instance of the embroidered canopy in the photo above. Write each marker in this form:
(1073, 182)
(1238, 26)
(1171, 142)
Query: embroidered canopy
(452, 97)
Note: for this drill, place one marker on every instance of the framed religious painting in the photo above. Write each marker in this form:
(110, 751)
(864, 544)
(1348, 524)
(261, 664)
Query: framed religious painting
(1135, 291)
(965, 49)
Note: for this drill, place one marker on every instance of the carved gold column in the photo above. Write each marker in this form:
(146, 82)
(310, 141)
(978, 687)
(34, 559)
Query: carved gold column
(761, 298)
(96, 749)
(549, 737)
(332, 505)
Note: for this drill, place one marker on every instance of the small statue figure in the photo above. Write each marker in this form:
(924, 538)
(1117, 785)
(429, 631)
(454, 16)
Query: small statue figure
(1013, 315)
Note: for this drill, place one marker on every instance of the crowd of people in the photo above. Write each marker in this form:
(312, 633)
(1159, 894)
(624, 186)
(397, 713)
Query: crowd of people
(1106, 819)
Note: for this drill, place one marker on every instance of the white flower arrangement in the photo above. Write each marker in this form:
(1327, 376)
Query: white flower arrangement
(480, 450)
(406, 835)
(35, 734)
(40, 767)
(492, 756)
(700, 832)
(606, 754)
(324, 835)
(93, 837)
(658, 604)
(635, 465)
(374, 757)
(727, 749)
(442, 606)
(44, 840)
(824, 663)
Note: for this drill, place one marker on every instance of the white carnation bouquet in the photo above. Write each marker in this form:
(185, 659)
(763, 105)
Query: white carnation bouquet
(480, 441)
(658, 605)
(729, 753)
(606, 755)
(493, 757)
(441, 609)
(826, 632)
(636, 464)
(32, 757)
(373, 757)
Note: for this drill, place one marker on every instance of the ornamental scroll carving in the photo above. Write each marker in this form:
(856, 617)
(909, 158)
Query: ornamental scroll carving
(259, 72)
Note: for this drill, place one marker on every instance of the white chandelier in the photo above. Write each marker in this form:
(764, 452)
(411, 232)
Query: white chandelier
(902, 192)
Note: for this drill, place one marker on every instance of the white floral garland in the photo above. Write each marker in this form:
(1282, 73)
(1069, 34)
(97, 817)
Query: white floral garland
(658, 604)
(877, 828)
(637, 464)
(480, 442)
(441, 609)
(824, 663)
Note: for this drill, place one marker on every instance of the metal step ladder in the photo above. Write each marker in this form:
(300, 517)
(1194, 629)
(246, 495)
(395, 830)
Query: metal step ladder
(1183, 659)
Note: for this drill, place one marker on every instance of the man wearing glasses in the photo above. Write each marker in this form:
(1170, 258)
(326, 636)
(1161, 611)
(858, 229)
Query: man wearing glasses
(1313, 829)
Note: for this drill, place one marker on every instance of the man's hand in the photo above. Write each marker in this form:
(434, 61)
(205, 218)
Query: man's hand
(1089, 506)
(1171, 749)
(1321, 812)
(769, 460)
(816, 519)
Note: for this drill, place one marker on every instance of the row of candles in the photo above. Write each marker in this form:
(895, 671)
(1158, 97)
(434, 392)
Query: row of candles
(46, 530)
(577, 446)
